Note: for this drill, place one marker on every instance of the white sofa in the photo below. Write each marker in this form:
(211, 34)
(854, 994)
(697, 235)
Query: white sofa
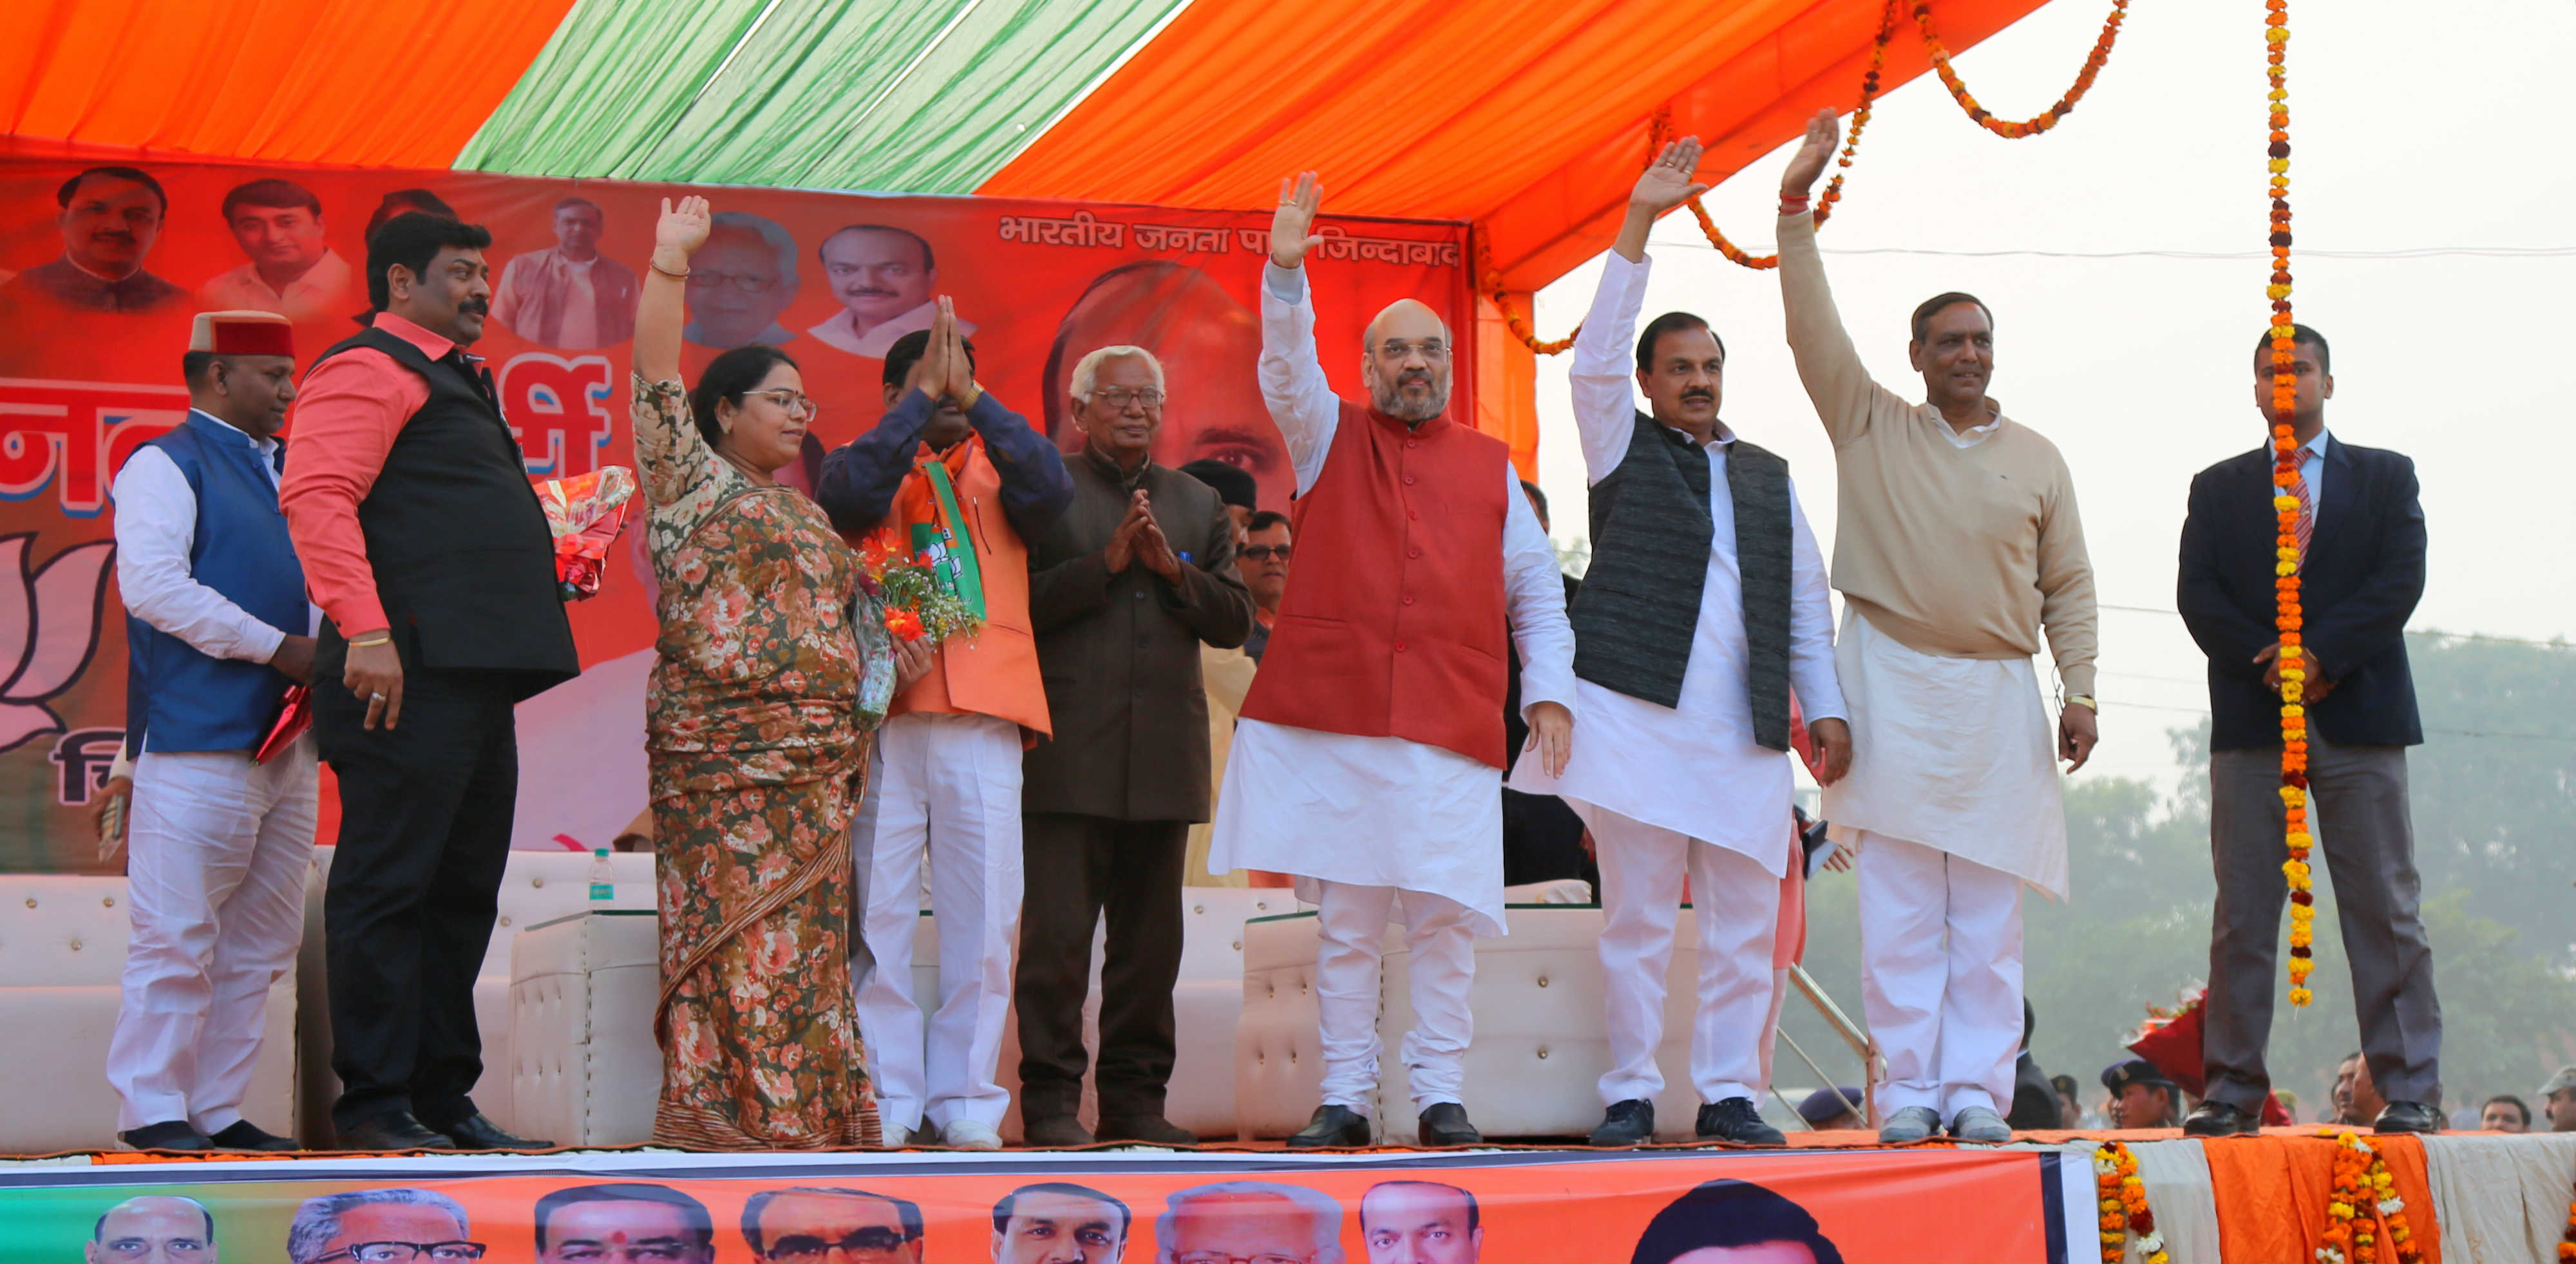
(1539, 1046)
(537, 886)
(586, 1070)
(62, 949)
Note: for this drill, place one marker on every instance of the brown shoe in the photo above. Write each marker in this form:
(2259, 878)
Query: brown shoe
(1055, 1132)
(1150, 1129)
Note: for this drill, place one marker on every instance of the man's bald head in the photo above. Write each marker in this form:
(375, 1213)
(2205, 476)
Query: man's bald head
(153, 1226)
(1405, 362)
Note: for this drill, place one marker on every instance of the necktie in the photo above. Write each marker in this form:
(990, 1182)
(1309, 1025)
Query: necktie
(2307, 503)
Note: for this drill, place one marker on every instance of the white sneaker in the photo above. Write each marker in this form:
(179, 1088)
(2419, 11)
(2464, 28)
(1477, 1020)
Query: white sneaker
(966, 1134)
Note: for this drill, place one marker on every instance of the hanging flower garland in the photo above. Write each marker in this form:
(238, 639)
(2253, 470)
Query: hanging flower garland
(2045, 119)
(2124, 1206)
(2288, 491)
(2361, 1203)
(2567, 1240)
(1869, 85)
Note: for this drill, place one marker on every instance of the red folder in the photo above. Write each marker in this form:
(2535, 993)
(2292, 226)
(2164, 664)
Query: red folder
(294, 716)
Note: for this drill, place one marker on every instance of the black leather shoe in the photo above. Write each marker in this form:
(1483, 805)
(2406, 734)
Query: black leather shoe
(1627, 1123)
(474, 1132)
(393, 1131)
(1150, 1129)
(1738, 1120)
(2408, 1117)
(1445, 1124)
(1335, 1126)
(2218, 1119)
(178, 1134)
(245, 1135)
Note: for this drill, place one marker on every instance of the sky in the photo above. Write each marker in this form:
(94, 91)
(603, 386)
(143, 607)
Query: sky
(2414, 128)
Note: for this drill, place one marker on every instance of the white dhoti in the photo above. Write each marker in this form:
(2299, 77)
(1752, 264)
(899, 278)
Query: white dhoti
(944, 787)
(216, 856)
(1374, 829)
(1953, 803)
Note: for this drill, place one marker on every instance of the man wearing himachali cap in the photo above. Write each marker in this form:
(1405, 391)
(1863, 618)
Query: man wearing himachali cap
(216, 625)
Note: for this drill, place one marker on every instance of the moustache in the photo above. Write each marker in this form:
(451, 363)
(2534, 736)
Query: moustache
(869, 292)
(478, 306)
(112, 234)
(1699, 394)
(1422, 376)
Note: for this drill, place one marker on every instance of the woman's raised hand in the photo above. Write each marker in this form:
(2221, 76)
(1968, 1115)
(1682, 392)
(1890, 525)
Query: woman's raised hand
(683, 228)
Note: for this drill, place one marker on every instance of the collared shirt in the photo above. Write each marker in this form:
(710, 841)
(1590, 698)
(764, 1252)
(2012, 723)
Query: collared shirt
(2312, 471)
(1739, 792)
(841, 332)
(74, 286)
(1128, 480)
(347, 416)
(318, 291)
(156, 529)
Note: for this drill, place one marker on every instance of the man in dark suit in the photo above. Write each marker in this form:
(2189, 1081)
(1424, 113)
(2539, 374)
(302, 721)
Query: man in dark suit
(1122, 591)
(2361, 533)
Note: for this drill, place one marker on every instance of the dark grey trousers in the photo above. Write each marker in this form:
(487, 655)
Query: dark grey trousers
(2366, 839)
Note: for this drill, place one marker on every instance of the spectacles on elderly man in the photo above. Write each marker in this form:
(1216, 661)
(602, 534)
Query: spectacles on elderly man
(876, 1242)
(408, 1253)
(1119, 397)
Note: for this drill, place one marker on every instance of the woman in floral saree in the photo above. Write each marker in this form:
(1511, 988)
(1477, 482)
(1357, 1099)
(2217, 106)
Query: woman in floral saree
(773, 669)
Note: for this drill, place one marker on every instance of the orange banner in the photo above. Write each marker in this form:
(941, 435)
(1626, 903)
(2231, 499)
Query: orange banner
(1854, 1207)
(102, 265)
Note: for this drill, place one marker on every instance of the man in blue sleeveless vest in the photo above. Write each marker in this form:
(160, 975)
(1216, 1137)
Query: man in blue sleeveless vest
(215, 630)
(422, 542)
(1706, 607)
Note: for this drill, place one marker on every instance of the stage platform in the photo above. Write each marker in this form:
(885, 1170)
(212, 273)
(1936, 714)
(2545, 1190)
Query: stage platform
(2477, 1198)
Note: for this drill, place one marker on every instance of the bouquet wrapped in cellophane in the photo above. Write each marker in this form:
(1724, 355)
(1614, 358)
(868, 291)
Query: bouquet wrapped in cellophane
(585, 513)
(920, 598)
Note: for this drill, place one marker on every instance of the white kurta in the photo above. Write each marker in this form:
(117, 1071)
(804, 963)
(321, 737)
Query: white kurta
(1995, 800)
(1737, 793)
(1380, 811)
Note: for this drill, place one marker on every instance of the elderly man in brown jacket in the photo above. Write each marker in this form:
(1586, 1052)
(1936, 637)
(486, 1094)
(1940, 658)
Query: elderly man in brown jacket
(1123, 590)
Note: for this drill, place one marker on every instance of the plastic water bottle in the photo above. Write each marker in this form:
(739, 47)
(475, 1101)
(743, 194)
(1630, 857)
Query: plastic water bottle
(603, 880)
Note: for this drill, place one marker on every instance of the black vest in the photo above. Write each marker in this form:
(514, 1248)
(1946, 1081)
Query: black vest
(464, 563)
(1651, 531)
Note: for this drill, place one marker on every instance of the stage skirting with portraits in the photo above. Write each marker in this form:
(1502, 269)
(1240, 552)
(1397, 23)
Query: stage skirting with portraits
(97, 291)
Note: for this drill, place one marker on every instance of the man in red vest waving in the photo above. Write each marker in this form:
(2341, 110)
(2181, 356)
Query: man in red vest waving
(1371, 750)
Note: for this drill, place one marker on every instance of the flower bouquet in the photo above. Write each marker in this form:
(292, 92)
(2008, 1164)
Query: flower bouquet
(920, 597)
(2170, 1038)
(585, 513)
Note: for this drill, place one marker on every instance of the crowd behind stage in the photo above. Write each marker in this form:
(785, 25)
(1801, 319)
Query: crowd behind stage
(1385, 694)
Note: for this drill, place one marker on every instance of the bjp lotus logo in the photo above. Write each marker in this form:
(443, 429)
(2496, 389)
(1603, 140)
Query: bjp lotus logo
(48, 630)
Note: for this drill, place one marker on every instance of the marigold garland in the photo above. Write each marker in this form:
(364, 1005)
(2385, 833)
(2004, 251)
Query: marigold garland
(2124, 1206)
(2288, 491)
(2567, 1240)
(1869, 85)
(2045, 119)
(2362, 1202)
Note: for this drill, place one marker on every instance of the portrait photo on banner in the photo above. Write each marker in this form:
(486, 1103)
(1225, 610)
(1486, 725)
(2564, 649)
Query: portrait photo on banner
(1987, 1207)
(104, 263)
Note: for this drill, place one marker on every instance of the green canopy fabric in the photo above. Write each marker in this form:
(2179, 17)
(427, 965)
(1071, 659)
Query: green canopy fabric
(927, 96)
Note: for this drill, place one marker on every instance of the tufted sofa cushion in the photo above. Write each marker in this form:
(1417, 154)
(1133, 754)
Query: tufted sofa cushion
(62, 952)
(537, 886)
(584, 1068)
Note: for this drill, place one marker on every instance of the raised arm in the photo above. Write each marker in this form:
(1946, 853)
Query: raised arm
(1828, 364)
(674, 456)
(1300, 399)
(1604, 405)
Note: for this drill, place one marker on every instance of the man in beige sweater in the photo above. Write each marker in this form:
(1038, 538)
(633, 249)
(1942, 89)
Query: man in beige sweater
(1958, 543)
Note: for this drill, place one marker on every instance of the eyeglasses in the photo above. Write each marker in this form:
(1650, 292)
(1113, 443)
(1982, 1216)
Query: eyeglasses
(1220, 1257)
(1265, 552)
(1120, 397)
(873, 1243)
(747, 282)
(797, 403)
(175, 1248)
(408, 1253)
(1397, 348)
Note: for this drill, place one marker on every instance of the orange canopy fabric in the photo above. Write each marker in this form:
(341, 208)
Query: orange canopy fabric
(1530, 117)
(390, 83)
